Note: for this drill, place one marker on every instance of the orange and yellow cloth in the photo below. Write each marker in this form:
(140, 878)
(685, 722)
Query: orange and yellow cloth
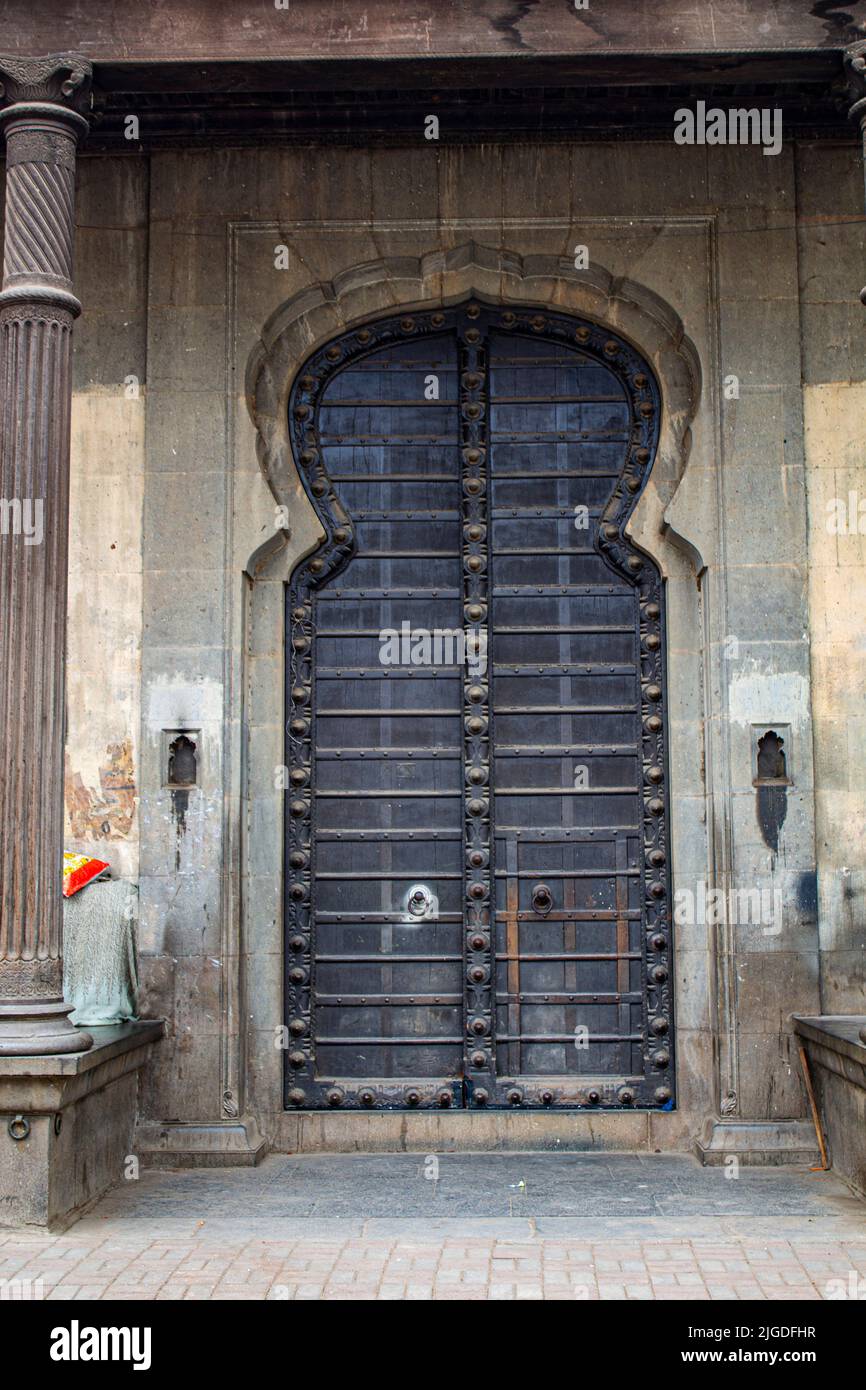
(79, 870)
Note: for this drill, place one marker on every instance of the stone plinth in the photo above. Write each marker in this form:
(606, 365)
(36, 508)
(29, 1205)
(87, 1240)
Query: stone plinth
(67, 1124)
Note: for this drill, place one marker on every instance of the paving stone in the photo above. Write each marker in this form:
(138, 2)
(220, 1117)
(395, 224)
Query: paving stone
(132, 1247)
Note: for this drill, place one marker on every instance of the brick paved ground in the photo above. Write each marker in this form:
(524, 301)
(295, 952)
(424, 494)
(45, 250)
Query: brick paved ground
(373, 1227)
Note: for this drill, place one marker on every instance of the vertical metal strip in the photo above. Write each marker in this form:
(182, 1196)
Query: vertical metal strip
(623, 946)
(298, 866)
(569, 945)
(512, 946)
(477, 874)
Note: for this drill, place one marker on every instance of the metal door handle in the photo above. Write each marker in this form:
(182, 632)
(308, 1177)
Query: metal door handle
(420, 900)
(542, 898)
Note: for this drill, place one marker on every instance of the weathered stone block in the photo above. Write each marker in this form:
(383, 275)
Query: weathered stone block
(77, 1118)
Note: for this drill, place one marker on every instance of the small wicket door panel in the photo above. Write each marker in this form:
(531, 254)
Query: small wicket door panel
(476, 865)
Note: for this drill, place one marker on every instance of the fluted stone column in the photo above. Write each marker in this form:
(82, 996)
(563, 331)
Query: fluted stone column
(42, 101)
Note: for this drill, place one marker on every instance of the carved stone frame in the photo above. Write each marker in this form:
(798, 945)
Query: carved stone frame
(407, 285)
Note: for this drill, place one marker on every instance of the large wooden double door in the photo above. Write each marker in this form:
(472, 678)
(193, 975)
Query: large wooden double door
(476, 885)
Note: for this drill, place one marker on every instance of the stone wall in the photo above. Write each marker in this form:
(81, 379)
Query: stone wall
(832, 272)
(706, 238)
(104, 635)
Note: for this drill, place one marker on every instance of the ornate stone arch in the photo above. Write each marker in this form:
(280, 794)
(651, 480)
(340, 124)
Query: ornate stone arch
(377, 288)
(308, 322)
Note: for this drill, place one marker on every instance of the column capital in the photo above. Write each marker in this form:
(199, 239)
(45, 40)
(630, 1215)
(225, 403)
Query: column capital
(41, 114)
(58, 79)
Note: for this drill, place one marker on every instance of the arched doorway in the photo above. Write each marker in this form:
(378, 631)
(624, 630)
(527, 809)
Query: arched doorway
(476, 871)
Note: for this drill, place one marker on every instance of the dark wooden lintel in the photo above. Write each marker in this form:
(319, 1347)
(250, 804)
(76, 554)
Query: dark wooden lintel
(266, 104)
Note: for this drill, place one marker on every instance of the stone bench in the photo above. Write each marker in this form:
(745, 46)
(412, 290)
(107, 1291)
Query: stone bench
(836, 1051)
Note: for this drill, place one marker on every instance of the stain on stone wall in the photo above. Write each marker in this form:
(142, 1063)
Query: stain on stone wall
(772, 807)
(106, 812)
